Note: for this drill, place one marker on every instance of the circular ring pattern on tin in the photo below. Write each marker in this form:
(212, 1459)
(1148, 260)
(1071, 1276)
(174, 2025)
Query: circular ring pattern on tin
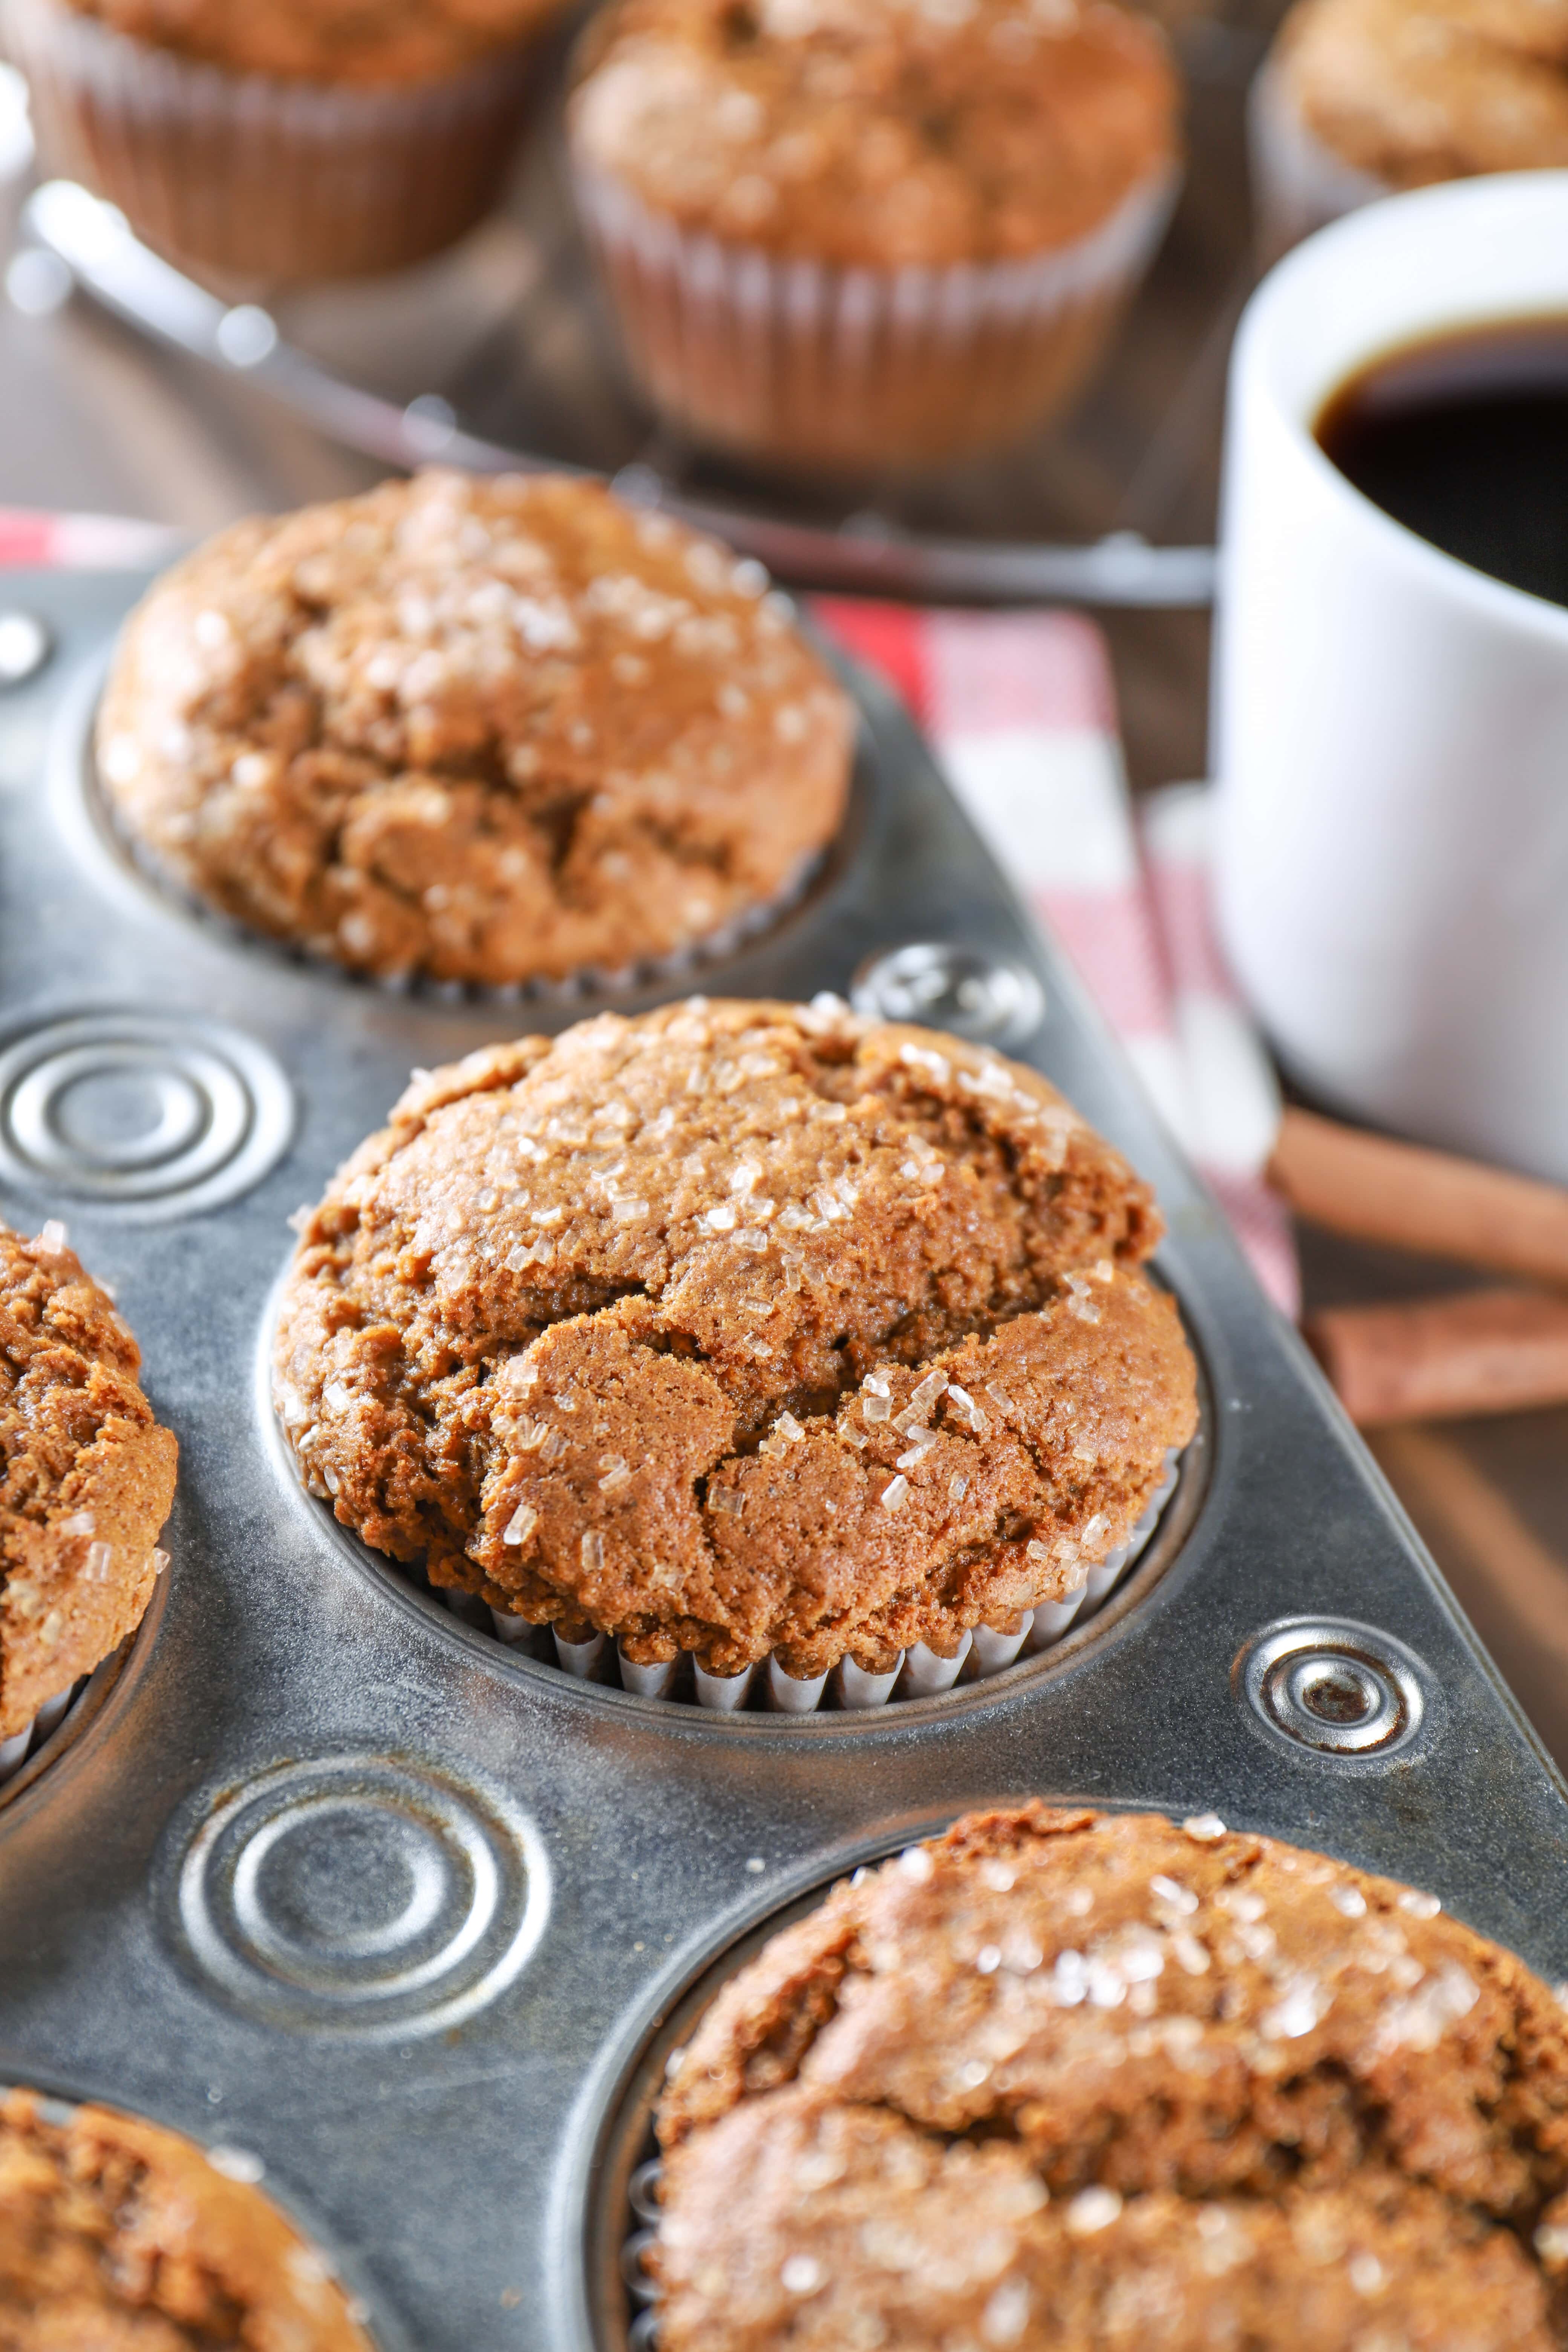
(973, 995)
(362, 1894)
(1346, 1691)
(142, 1115)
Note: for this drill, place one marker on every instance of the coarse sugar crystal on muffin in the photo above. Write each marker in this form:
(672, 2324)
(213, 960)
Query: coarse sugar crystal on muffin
(737, 1328)
(1075, 2080)
(89, 1476)
(489, 732)
(856, 234)
(118, 2236)
(272, 142)
(1361, 97)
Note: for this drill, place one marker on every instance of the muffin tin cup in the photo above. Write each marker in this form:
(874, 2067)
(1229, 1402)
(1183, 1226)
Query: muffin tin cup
(1297, 183)
(267, 181)
(852, 370)
(917, 1673)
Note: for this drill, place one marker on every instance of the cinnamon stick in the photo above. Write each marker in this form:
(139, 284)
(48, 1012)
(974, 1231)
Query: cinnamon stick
(1412, 1199)
(1482, 1352)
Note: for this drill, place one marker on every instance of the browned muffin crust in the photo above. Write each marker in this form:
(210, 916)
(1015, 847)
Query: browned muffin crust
(88, 1475)
(485, 730)
(652, 1329)
(116, 2236)
(354, 41)
(878, 131)
(1418, 90)
(1069, 2081)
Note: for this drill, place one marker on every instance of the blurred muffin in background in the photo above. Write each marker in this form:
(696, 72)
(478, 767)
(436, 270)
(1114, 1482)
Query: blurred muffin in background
(1361, 97)
(279, 140)
(116, 2236)
(863, 234)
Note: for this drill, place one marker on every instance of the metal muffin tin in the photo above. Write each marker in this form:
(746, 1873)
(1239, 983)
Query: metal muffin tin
(326, 1876)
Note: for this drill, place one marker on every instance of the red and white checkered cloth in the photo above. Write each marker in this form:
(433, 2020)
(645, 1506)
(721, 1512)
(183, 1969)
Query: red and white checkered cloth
(1020, 711)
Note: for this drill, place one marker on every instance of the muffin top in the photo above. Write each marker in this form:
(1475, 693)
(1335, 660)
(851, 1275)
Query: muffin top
(117, 2237)
(878, 131)
(485, 730)
(1417, 91)
(1069, 2080)
(88, 1475)
(737, 1327)
(358, 41)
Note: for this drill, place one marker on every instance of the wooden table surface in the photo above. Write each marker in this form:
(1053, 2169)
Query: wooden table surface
(91, 419)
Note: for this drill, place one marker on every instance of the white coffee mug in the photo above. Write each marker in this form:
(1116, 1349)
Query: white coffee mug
(1391, 727)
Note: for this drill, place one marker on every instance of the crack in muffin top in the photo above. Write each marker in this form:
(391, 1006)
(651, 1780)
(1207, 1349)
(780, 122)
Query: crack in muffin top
(737, 1327)
(117, 2236)
(362, 42)
(1076, 2081)
(1434, 91)
(484, 731)
(878, 131)
(88, 1475)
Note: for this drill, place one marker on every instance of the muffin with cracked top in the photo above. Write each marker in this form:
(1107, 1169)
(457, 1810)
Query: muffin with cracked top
(118, 2236)
(487, 732)
(1071, 2082)
(737, 1328)
(88, 1477)
(856, 235)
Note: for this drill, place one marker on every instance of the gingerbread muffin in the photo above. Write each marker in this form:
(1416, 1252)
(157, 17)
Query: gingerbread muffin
(89, 1479)
(733, 1330)
(1062, 2080)
(1361, 97)
(275, 140)
(489, 732)
(852, 234)
(116, 2236)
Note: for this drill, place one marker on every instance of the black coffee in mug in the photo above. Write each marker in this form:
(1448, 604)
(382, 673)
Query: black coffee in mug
(1464, 439)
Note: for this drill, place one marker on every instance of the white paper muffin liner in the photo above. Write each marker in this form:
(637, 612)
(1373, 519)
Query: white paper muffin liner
(1297, 183)
(14, 1751)
(918, 1672)
(264, 181)
(817, 366)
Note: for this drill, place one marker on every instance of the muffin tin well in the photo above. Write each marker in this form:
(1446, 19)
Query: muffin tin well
(354, 1887)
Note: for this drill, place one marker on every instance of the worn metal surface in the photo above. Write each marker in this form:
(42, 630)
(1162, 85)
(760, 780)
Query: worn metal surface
(332, 1878)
